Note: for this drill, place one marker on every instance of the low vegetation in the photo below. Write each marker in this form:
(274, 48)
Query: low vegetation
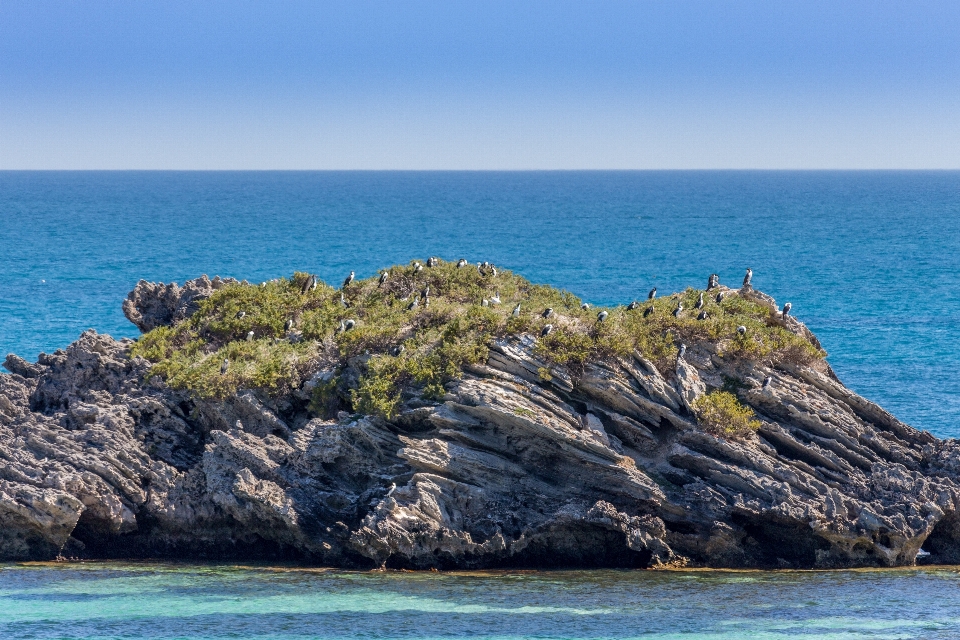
(275, 335)
(721, 413)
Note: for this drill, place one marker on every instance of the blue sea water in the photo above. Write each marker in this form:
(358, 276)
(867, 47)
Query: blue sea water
(870, 260)
(149, 601)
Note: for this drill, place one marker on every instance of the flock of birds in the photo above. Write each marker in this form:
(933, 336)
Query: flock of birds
(485, 268)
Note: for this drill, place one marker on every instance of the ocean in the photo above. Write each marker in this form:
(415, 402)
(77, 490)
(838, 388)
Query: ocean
(101, 601)
(870, 260)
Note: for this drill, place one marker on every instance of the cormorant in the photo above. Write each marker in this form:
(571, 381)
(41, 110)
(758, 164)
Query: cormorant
(682, 351)
(702, 315)
(652, 294)
(602, 316)
(431, 262)
(648, 311)
(719, 297)
(633, 305)
(699, 304)
(413, 305)
(493, 271)
(516, 311)
(786, 309)
(417, 267)
(546, 330)
(713, 281)
(343, 301)
(741, 330)
(547, 312)
(585, 306)
(426, 292)
(311, 283)
(224, 366)
(383, 278)
(397, 350)
(767, 381)
(240, 314)
(678, 310)
(349, 324)
(288, 325)
(496, 298)
(349, 279)
(747, 277)
(250, 336)
(461, 263)
(485, 303)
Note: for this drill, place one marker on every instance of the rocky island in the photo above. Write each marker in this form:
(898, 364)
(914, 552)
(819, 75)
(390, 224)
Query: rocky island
(450, 415)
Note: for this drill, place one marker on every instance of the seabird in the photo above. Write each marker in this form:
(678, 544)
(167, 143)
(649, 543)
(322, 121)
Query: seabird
(343, 301)
(413, 305)
(699, 304)
(349, 324)
(786, 309)
(383, 278)
(702, 315)
(682, 351)
(767, 381)
(713, 281)
(308, 284)
(747, 277)
(585, 306)
(417, 267)
(224, 366)
(431, 262)
(313, 283)
(461, 263)
(547, 312)
(633, 305)
(652, 294)
(742, 330)
(485, 303)
(240, 314)
(516, 311)
(496, 298)
(426, 301)
(426, 292)
(397, 350)
(602, 316)
(648, 311)
(288, 324)
(493, 271)
(349, 279)
(393, 487)
(676, 312)
(546, 330)
(719, 297)
(250, 336)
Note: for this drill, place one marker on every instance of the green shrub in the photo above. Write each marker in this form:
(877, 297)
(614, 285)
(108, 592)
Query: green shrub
(722, 414)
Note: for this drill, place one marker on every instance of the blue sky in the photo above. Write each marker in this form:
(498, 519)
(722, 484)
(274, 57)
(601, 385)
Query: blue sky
(479, 85)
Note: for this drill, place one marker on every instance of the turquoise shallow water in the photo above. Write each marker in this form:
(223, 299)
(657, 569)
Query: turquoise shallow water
(112, 600)
(870, 260)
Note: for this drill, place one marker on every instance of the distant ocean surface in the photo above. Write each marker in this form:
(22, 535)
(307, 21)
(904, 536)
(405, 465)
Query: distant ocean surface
(870, 260)
(116, 600)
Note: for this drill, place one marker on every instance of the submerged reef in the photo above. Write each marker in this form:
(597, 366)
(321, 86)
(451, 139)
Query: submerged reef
(453, 415)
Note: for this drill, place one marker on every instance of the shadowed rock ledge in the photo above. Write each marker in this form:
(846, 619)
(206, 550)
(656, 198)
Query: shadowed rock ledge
(518, 462)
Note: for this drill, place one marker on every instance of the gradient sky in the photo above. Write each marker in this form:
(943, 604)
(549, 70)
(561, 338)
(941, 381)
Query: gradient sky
(479, 85)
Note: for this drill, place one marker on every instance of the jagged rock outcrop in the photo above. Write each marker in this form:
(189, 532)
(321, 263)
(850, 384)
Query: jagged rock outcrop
(607, 467)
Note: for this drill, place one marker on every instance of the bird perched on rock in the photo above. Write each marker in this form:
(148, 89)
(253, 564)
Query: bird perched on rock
(495, 299)
(682, 352)
(741, 330)
(516, 311)
(702, 315)
(224, 366)
(348, 280)
(413, 305)
(250, 336)
(767, 381)
(547, 312)
(699, 304)
(240, 315)
(602, 316)
(431, 262)
(633, 305)
(786, 309)
(547, 328)
(417, 267)
(678, 310)
(383, 278)
(461, 263)
(748, 277)
(719, 297)
(585, 306)
(397, 350)
(346, 325)
(652, 294)
(713, 281)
